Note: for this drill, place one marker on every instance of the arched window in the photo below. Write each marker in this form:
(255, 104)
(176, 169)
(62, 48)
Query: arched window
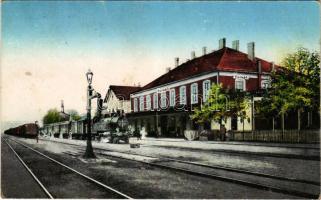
(182, 95)
(155, 100)
(240, 84)
(141, 103)
(206, 89)
(148, 102)
(265, 84)
(172, 97)
(163, 100)
(194, 93)
(135, 105)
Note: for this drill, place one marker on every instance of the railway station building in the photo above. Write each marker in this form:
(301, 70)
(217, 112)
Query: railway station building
(164, 105)
(118, 98)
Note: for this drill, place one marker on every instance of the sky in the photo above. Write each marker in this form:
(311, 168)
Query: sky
(48, 46)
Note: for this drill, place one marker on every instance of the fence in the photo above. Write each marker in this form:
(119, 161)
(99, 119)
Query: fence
(290, 136)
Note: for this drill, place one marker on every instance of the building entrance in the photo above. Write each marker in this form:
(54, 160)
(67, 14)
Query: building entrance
(163, 123)
(234, 123)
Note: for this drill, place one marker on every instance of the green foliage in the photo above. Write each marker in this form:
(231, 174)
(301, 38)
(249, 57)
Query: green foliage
(214, 108)
(73, 114)
(304, 74)
(222, 104)
(52, 116)
(296, 87)
(239, 103)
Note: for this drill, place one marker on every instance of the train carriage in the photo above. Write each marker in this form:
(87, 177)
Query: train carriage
(26, 130)
(29, 130)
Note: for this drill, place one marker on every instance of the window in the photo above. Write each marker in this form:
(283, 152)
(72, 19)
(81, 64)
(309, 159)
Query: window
(163, 100)
(172, 97)
(148, 102)
(240, 84)
(206, 89)
(265, 84)
(141, 103)
(182, 95)
(155, 99)
(135, 105)
(194, 93)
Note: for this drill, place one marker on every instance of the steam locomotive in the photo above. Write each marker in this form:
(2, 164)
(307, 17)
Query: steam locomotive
(113, 127)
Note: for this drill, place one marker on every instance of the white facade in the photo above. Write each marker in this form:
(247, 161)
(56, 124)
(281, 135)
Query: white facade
(114, 103)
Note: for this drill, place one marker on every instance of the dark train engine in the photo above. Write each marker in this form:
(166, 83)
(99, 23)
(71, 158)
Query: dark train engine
(113, 128)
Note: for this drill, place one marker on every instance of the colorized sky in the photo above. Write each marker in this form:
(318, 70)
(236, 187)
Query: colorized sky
(47, 46)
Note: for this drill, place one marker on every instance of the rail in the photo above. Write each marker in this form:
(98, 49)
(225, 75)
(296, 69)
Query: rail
(162, 162)
(75, 171)
(29, 170)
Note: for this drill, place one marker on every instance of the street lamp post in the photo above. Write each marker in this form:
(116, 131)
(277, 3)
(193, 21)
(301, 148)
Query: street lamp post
(89, 149)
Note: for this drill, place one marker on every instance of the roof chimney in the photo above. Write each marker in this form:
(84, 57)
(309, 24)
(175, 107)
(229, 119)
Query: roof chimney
(236, 45)
(222, 43)
(193, 54)
(250, 50)
(204, 51)
(176, 61)
(168, 69)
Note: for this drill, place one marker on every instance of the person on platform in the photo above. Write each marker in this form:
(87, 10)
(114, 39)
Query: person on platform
(222, 132)
(142, 133)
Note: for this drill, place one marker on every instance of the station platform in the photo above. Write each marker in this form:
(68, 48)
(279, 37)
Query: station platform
(264, 149)
(290, 160)
(272, 144)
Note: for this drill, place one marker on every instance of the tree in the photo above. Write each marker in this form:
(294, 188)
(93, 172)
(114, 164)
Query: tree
(295, 87)
(52, 116)
(304, 74)
(73, 114)
(222, 104)
(214, 108)
(239, 103)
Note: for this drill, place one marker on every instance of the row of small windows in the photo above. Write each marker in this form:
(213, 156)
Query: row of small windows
(239, 84)
(172, 97)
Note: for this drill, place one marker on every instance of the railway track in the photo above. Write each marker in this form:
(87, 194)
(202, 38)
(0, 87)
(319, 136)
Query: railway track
(285, 185)
(205, 165)
(43, 188)
(77, 177)
(260, 181)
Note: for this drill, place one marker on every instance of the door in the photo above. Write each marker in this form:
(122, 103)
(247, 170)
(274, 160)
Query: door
(234, 123)
(163, 121)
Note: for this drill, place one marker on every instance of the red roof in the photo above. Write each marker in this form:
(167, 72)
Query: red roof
(225, 59)
(123, 92)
